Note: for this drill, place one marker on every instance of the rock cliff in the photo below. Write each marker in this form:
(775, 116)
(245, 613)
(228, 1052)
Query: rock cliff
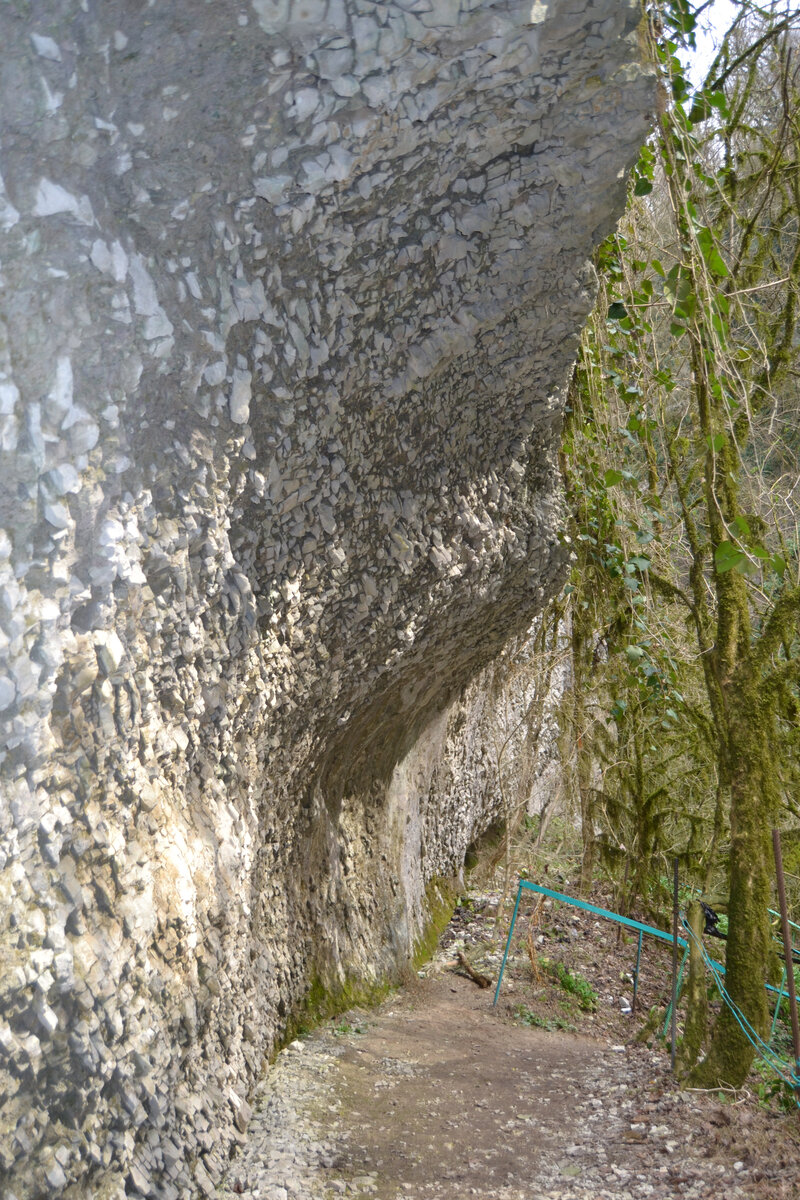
(290, 291)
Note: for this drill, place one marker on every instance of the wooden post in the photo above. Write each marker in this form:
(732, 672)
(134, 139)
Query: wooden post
(636, 972)
(694, 1028)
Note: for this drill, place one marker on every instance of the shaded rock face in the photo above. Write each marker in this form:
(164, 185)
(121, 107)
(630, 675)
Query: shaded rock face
(290, 293)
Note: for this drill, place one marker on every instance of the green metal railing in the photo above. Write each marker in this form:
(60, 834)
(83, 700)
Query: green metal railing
(662, 934)
(629, 922)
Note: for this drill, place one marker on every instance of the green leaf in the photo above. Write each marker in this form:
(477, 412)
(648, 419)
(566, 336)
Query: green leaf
(714, 261)
(718, 100)
(617, 311)
(686, 300)
(720, 327)
(640, 563)
(700, 110)
(634, 653)
(716, 442)
(728, 557)
(612, 477)
(679, 86)
(717, 265)
(779, 564)
(643, 187)
(671, 281)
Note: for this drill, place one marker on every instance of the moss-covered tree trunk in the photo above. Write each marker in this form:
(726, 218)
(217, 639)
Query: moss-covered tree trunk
(754, 803)
(696, 999)
(581, 650)
(643, 802)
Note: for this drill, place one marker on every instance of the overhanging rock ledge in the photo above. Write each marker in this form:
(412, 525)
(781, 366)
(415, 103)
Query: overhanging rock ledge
(290, 292)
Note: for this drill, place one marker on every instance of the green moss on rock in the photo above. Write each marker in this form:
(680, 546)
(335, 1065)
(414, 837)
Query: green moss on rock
(325, 1000)
(440, 900)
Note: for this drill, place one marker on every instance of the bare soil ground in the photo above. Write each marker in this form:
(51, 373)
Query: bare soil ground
(440, 1094)
(444, 1095)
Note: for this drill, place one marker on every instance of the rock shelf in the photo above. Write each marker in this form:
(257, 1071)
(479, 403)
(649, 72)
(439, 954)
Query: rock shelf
(290, 293)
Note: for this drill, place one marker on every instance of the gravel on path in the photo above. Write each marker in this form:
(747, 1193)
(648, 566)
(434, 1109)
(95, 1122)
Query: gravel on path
(437, 1094)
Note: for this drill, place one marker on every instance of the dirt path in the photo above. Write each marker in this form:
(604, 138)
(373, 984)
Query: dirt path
(444, 1099)
(436, 1094)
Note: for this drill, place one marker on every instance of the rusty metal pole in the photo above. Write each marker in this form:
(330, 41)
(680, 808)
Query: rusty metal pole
(636, 971)
(787, 948)
(674, 1031)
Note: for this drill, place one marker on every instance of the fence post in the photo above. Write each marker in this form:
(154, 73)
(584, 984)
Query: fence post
(636, 972)
(508, 945)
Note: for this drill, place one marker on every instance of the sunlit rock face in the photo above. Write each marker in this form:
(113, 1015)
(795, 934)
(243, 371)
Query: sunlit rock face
(290, 291)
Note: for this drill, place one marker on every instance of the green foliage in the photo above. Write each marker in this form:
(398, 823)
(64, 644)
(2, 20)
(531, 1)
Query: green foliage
(551, 1024)
(342, 1028)
(772, 1091)
(572, 982)
(680, 461)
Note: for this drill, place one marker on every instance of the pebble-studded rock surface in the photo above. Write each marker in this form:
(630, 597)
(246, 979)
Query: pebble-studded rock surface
(290, 294)
(438, 1094)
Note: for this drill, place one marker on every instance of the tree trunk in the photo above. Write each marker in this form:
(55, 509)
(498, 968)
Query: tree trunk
(696, 999)
(589, 856)
(753, 787)
(580, 645)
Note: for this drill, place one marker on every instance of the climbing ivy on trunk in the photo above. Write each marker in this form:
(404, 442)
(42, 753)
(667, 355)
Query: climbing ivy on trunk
(690, 364)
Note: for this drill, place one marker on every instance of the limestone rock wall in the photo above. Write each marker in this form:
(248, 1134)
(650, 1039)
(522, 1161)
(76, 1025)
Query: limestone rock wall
(290, 290)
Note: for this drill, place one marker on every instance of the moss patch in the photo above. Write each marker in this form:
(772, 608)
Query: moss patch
(323, 1001)
(440, 900)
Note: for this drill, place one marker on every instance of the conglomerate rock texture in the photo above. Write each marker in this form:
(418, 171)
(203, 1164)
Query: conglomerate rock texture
(290, 290)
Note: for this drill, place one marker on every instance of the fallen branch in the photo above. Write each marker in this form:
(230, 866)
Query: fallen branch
(483, 981)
